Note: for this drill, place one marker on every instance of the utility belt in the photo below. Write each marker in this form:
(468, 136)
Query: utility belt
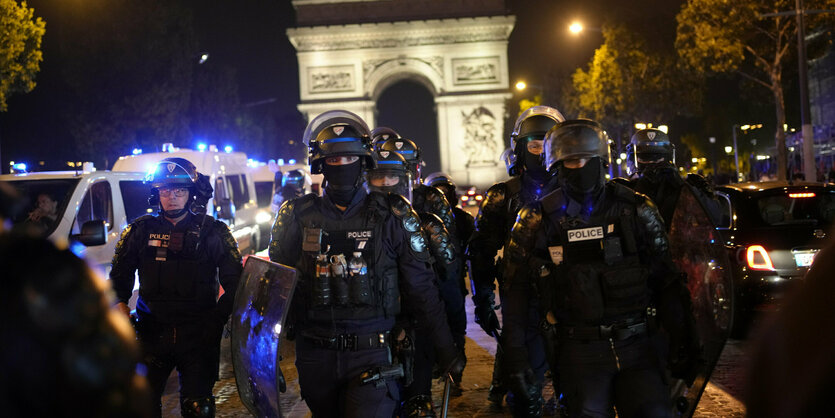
(350, 342)
(617, 332)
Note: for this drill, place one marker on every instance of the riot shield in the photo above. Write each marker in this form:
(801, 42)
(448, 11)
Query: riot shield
(698, 251)
(261, 305)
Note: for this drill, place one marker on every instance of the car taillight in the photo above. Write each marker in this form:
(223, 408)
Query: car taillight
(478, 197)
(758, 258)
(801, 195)
(465, 198)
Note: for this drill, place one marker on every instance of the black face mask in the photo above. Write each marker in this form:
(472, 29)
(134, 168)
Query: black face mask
(174, 214)
(534, 166)
(342, 182)
(584, 180)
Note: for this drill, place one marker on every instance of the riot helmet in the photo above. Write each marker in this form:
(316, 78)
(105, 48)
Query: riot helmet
(579, 150)
(337, 133)
(532, 125)
(444, 183)
(173, 172)
(409, 151)
(294, 179)
(382, 134)
(647, 148)
(391, 174)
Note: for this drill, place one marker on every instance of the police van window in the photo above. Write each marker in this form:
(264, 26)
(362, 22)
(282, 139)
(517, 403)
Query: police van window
(135, 195)
(263, 193)
(239, 196)
(97, 205)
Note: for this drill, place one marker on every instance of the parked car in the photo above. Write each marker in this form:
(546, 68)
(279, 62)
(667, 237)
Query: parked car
(85, 209)
(772, 230)
(471, 197)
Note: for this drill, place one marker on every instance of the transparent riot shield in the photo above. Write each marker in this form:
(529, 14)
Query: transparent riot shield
(698, 251)
(261, 305)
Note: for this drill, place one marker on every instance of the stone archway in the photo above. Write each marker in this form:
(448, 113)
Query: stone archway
(461, 61)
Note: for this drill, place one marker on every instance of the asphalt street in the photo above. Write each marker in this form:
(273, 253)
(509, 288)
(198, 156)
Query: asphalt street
(721, 398)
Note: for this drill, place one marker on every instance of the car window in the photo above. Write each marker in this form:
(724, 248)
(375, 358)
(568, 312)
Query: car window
(97, 205)
(240, 193)
(797, 208)
(264, 193)
(725, 210)
(135, 195)
(40, 213)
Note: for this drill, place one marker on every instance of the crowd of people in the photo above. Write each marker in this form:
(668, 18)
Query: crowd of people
(589, 295)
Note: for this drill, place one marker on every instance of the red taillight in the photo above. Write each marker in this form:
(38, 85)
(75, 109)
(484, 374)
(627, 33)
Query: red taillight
(758, 258)
(465, 198)
(801, 195)
(478, 197)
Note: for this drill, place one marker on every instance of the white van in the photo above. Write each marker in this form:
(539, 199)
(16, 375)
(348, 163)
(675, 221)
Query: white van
(234, 190)
(88, 209)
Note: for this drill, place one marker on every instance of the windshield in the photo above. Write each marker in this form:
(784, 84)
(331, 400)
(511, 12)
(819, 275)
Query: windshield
(45, 202)
(797, 208)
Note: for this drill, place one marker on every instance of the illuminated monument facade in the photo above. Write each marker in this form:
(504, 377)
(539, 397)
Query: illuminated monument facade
(350, 51)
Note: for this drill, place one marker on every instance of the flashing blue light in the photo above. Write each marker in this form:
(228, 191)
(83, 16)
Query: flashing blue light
(137, 151)
(19, 167)
(281, 161)
(227, 148)
(291, 162)
(201, 146)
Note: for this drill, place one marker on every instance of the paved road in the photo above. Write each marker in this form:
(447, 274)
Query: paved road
(721, 398)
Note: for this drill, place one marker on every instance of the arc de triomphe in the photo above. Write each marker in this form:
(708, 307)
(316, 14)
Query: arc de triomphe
(461, 60)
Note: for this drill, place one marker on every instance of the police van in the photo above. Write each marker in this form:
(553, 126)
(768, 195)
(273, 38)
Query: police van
(234, 200)
(86, 209)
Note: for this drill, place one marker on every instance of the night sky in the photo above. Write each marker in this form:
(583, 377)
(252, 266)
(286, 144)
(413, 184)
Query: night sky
(249, 36)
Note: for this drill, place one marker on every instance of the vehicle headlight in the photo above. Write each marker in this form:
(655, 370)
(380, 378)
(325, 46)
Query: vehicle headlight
(263, 217)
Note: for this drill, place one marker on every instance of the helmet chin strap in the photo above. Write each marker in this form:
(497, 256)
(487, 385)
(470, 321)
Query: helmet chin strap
(173, 214)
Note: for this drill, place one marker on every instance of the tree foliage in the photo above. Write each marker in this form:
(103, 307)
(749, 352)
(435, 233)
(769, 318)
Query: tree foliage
(627, 81)
(20, 49)
(724, 36)
(133, 85)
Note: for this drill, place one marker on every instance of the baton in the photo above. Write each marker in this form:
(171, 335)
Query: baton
(445, 405)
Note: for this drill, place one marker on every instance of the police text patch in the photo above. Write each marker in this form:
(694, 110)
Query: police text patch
(556, 254)
(585, 234)
(358, 234)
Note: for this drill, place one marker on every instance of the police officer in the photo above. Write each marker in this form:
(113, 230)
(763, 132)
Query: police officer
(464, 222)
(596, 255)
(342, 322)
(181, 257)
(528, 182)
(382, 134)
(409, 151)
(651, 166)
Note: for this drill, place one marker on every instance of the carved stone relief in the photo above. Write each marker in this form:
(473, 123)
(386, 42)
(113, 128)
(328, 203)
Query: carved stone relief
(330, 79)
(480, 135)
(475, 70)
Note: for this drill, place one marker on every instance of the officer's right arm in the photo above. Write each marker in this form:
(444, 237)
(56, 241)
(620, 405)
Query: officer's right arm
(486, 240)
(517, 284)
(285, 243)
(125, 262)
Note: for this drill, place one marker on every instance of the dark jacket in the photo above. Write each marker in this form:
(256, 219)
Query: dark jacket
(179, 266)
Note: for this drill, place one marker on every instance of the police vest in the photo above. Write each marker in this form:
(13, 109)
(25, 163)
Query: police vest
(597, 276)
(171, 268)
(374, 294)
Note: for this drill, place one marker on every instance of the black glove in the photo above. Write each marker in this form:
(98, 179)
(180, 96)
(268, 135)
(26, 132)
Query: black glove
(527, 393)
(485, 315)
(451, 361)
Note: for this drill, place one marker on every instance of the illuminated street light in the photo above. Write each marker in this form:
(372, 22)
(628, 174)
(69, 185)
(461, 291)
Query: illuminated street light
(729, 149)
(575, 27)
(663, 128)
(203, 58)
(521, 85)
(641, 125)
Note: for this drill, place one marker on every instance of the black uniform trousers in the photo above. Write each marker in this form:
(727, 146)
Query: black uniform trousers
(330, 384)
(192, 347)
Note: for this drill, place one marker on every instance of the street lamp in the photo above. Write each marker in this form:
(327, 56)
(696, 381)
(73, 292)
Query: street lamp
(744, 129)
(576, 28)
(521, 85)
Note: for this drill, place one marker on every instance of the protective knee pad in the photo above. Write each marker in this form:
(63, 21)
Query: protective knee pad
(198, 407)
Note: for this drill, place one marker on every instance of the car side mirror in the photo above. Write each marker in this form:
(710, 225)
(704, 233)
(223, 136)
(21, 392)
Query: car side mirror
(225, 209)
(93, 233)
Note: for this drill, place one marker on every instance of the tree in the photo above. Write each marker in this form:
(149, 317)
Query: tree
(721, 36)
(131, 69)
(627, 81)
(20, 49)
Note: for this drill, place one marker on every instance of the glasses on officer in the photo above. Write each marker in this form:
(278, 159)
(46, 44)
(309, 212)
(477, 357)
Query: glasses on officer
(177, 192)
